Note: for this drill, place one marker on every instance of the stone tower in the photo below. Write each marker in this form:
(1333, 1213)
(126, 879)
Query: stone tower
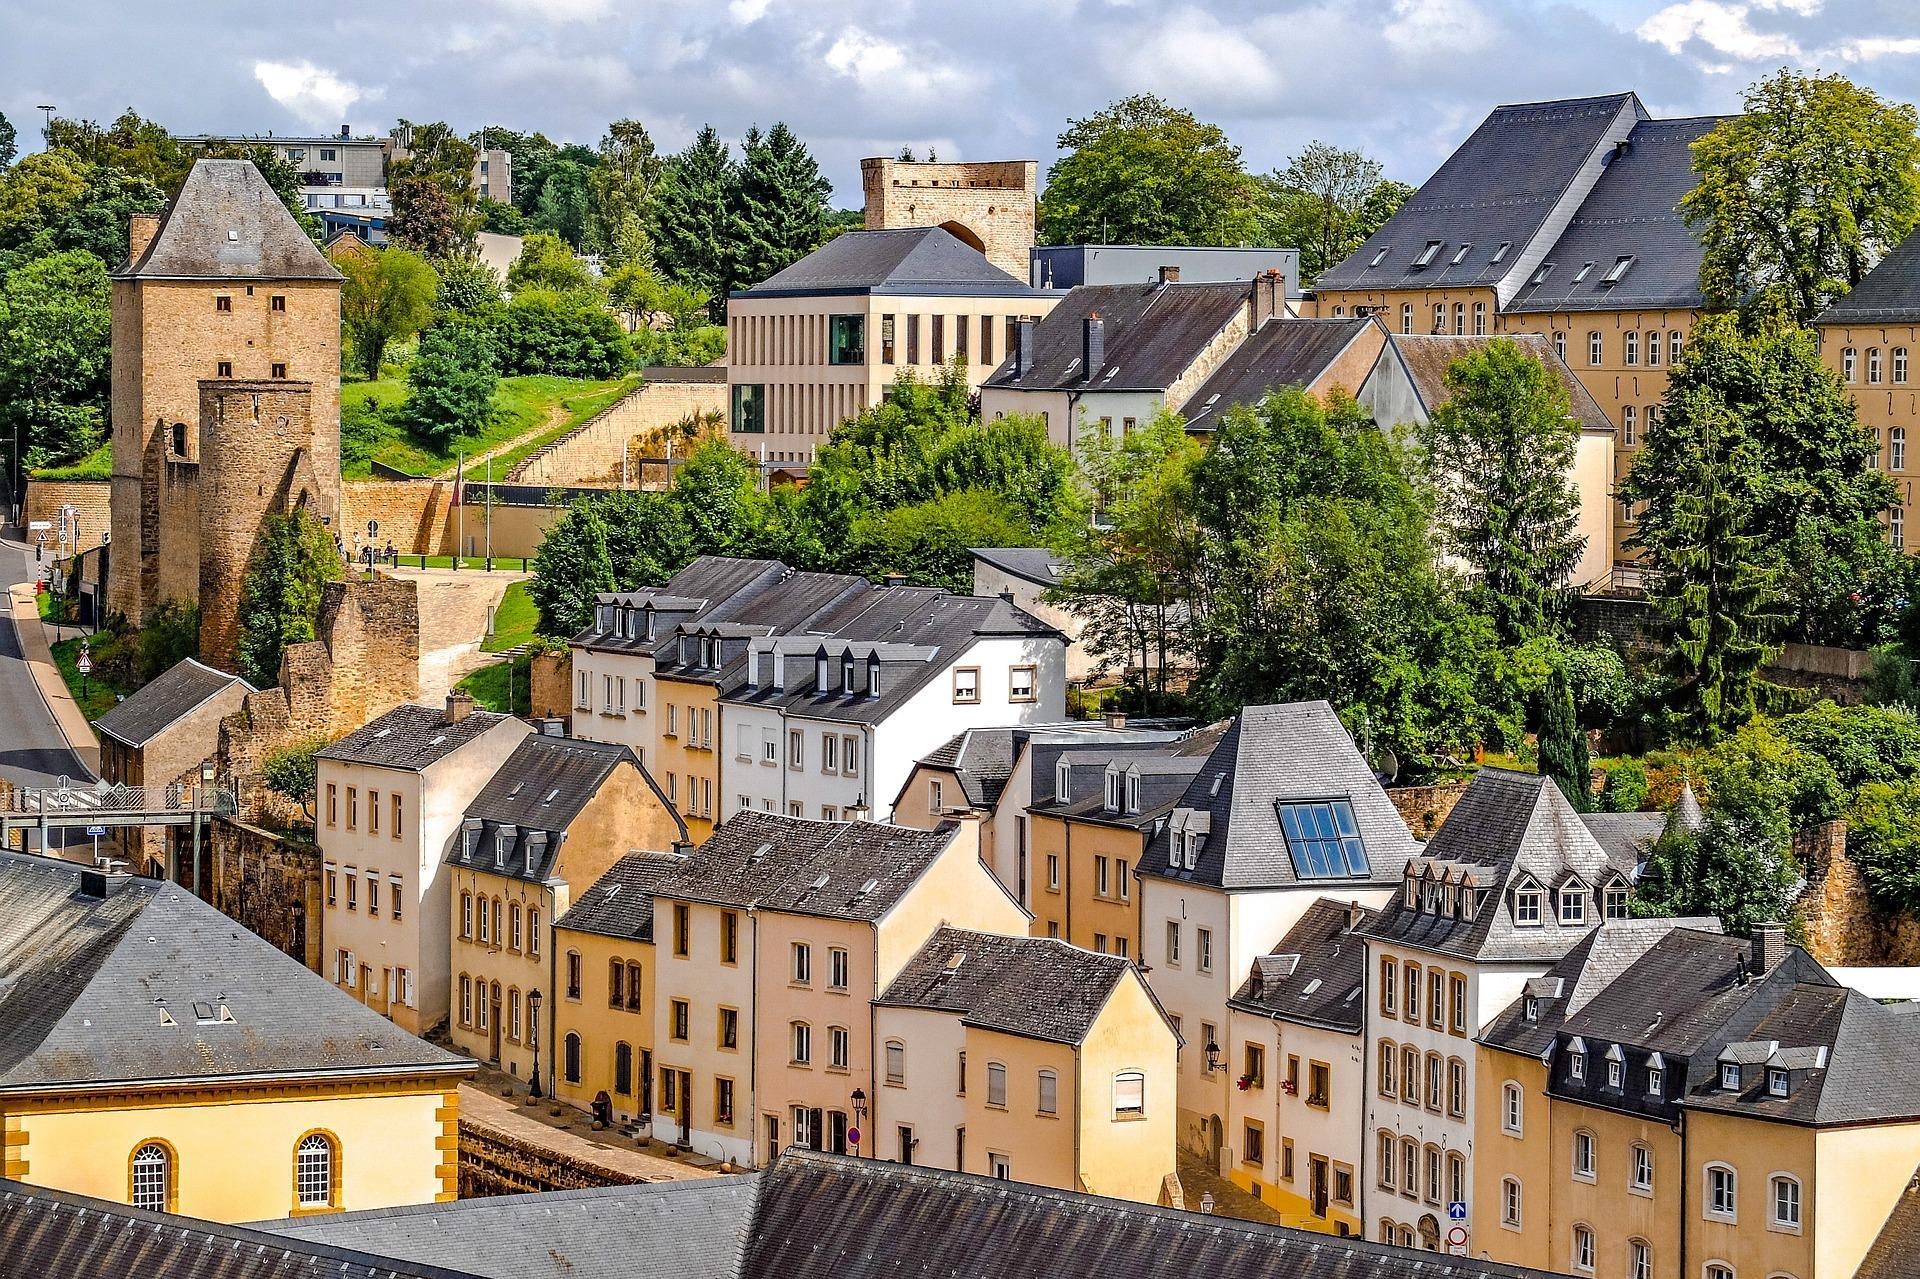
(989, 205)
(223, 286)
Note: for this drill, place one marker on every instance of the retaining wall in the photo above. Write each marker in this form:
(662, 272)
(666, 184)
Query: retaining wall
(592, 452)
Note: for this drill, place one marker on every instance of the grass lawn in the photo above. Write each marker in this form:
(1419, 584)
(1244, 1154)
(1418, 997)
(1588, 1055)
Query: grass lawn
(98, 698)
(513, 621)
(97, 465)
(488, 685)
(521, 405)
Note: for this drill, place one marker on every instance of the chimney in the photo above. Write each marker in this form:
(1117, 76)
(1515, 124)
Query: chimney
(894, 579)
(1769, 946)
(140, 232)
(1116, 719)
(1355, 913)
(1269, 288)
(1169, 275)
(1023, 355)
(346, 134)
(1093, 346)
(1006, 593)
(459, 706)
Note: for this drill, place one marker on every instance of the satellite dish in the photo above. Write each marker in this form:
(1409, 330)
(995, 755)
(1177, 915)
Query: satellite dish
(1388, 766)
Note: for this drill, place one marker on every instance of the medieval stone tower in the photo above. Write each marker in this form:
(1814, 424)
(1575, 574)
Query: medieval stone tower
(989, 205)
(226, 394)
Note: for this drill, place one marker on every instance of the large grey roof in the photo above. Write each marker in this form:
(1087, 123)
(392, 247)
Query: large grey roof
(695, 590)
(150, 983)
(534, 797)
(181, 688)
(1279, 353)
(1151, 335)
(620, 902)
(1316, 974)
(1036, 987)
(921, 261)
(1035, 564)
(1625, 836)
(1514, 181)
(691, 1229)
(227, 223)
(983, 759)
(411, 737)
(1427, 357)
(1633, 210)
(1898, 1242)
(1293, 752)
(1165, 770)
(1890, 293)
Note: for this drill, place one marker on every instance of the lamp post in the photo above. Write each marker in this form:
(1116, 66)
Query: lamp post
(533, 1005)
(859, 1117)
(46, 130)
(1213, 1057)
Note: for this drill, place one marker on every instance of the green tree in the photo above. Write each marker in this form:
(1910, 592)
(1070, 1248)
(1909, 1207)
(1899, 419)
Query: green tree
(280, 597)
(623, 183)
(1326, 202)
(1801, 193)
(436, 153)
(39, 192)
(387, 297)
(566, 203)
(54, 330)
(547, 262)
(781, 210)
(929, 543)
(292, 772)
(718, 494)
(1883, 840)
(501, 218)
(451, 382)
(171, 635)
(1563, 747)
(425, 219)
(467, 286)
(648, 539)
(1737, 866)
(1144, 172)
(566, 335)
(1501, 454)
(129, 143)
(570, 567)
(692, 216)
(9, 142)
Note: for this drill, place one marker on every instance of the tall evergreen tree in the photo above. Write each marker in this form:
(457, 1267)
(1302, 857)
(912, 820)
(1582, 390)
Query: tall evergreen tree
(9, 144)
(692, 219)
(782, 210)
(1563, 747)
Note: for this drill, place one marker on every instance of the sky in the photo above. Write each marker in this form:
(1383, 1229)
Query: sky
(1403, 80)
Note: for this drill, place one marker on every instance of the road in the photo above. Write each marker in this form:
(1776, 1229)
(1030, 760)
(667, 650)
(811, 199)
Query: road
(32, 750)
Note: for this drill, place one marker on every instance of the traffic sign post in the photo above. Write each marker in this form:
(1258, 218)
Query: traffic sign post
(84, 664)
(1457, 1210)
(1457, 1241)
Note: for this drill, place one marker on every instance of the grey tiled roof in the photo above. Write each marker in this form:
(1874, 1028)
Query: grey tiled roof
(1625, 836)
(620, 902)
(181, 688)
(690, 1229)
(1151, 334)
(1035, 564)
(150, 983)
(1427, 357)
(1504, 185)
(1281, 352)
(1316, 974)
(983, 759)
(1272, 754)
(1890, 293)
(702, 585)
(1036, 987)
(227, 223)
(777, 863)
(411, 737)
(914, 260)
(1165, 770)
(1898, 1242)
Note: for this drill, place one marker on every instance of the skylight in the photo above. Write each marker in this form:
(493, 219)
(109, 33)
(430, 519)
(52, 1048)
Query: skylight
(1500, 254)
(1540, 276)
(1583, 272)
(1323, 839)
(1619, 270)
(1380, 257)
(1461, 256)
(1427, 255)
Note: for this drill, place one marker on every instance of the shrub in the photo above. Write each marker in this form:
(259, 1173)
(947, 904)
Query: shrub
(552, 333)
(1626, 787)
(450, 384)
(280, 599)
(290, 772)
(171, 635)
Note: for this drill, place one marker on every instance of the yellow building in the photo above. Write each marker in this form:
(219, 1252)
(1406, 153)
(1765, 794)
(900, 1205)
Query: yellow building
(558, 814)
(603, 1014)
(1870, 338)
(1028, 1060)
(154, 1055)
(1672, 1103)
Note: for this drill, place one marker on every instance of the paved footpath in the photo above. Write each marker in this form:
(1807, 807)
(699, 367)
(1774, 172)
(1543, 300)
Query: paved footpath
(43, 735)
(512, 1117)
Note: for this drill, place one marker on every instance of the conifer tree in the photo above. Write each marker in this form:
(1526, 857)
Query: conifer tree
(1563, 747)
(692, 222)
(781, 216)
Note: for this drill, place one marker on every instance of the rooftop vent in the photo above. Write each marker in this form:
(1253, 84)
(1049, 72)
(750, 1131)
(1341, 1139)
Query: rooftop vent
(93, 885)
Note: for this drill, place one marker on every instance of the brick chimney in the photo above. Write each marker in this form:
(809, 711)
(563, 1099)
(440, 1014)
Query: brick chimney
(1269, 296)
(1169, 275)
(1093, 346)
(1769, 946)
(459, 706)
(1023, 352)
(141, 229)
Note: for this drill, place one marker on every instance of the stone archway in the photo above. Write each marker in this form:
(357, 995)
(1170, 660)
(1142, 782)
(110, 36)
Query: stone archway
(966, 235)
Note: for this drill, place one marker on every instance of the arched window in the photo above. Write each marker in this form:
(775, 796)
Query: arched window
(896, 1056)
(1512, 1109)
(1595, 347)
(1410, 1074)
(1583, 1155)
(480, 1022)
(513, 1014)
(1560, 343)
(572, 1057)
(1456, 1177)
(1900, 365)
(1582, 1249)
(1655, 338)
(623, 1068)
(1639, 1259)
(1873, 365)
(1849, 365)
(633, 986)
(514, 916)
(1459, 319)
(802, 1035)
(498, 936)
(484, 935)
(1385, 1159)
(1479, 319)
(1640, 1171)
(1897, 453)
(152, 1178)
(466, 914)
(1433, 1174)
(1386, 1230)
(1409, 1167)
(1389, 1058)
(316, 1173)
(1629, 421)
(1049, 1093)
(1722, 1193)
(573, 974)
(466, 1000)
(1717, 1270)
(1433, 1081)
(1630, 350)
(1510, 1202)
(1406, 317)
(1785, 1201)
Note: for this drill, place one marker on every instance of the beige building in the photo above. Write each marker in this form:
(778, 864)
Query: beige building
(1869, 338)
(392, 799)
(1027, 1060)
(822, 341)
(988, 206)
(555, 817)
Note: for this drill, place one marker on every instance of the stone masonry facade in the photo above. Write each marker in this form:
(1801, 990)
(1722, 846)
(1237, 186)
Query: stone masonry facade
(989, 205)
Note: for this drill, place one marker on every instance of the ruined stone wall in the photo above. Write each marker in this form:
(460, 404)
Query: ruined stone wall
(990, 205)
(1423, 808)
(1843, 926)
(270, 884)
(492, 1163)
(553, 685)
(591, 453)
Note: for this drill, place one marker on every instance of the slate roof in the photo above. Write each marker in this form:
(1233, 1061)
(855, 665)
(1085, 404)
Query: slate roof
(227, 223)
(1890, 293)
(798, 603)
(1509, 829)
(1427, 357)
(1165, 770)
(1625, 836)
(150, 983)
(1279, 353)
(174, 693)
(1520, 172)
(1035, 564)
(411, 737)
(1034, 987)
(1293, 752)
(777, 863)
(54, 1234)
(620, 902)
(1151, 335)
(1316, 974)
(1633, 210)
(983, 760)
(702, 585)
(690, 1229)
(1898, 1242)
(922, 261)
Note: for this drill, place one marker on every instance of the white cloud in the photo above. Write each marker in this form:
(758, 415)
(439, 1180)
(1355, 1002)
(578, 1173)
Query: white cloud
(1192, 57)
(865, 57)
(1867, 48)
(891, 72)
(1421, 29)
(1723, 27)
(562, 10)
(314, 94)
(746, 11)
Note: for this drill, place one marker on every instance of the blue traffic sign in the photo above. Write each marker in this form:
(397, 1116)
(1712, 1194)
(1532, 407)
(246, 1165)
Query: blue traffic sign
(1457, 1210)
(96, 830)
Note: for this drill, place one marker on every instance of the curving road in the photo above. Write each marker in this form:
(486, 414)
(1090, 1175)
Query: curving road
(32, 751)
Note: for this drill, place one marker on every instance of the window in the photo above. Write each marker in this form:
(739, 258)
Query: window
(223, 368)
(1655, 341)
(802, 968)
(1616, 901)
(896, 1062)
(846, 339)
(750, 407)
(1595, 349)
(466, 1000)
(1383, 1161)
(1873, 365)
(1583, 1155)
(1409, 1167)
(1318, 1086)
(152, 1178)
(913, 339)
(1630, 349)
(1629, 419)
(514, 917)
(1616, 1073)
(1577, 1064)
(1406, 317)
(1173, 943)
(999, 1166)
(1410, 1074)
(1456, 1087)
(1776, 1082)
(796, 749)
(1656, 1080)
(680, 928)
(1457, 988)
(1897, 528)
(1436, 1008)
(886, 339)
(966, 685)
(1389, 1058)
(986, 340)
(839, 1048)
(513, 1014)
(1439, 317)
(1675, 341)
(277, 370)
(1560, 343)
(1456, 1175)
(1433, 1081)
(1722, 1193)
(1897, 439)
(1573, 904)
(1389, 985)
(1510, 1203)
(1053, 872)
(837, 969)
(353, 897)
(1583, 1249)
(313, 1173)
(681, 1020)
(1641, 1175)
(1323, 839)
(1479, 319)
(1899, 366)
(1049, 1103)
(1129, 1095)
(1204, 944)
(996, 1085)
(1254, 1144)
(1020, 684)
(1730, 1076)
(1526, 907)
(223, 304)
(1786, 1202)
(1512, 1109)
(1716, 1270)
(1639, 1259)
(939, 339)
(729, 1028)
(1459, 319)
(570, 1058)
(802, 1043)
(1849, 365)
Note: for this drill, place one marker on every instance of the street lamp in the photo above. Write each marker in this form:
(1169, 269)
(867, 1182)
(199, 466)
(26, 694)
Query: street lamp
(533, 1005)
(1213, 1057)
(859, 1116)
(47, 129)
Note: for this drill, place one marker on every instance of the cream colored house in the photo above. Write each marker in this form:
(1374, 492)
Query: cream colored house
(822, 341)
(771, 940)
(156, 1055)
(1026, 1059)
(392, 796)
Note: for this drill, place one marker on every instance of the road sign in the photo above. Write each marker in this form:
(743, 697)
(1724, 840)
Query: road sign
(853, 1135)
(1457, 1210)
(96, 831)
(373, 528)
(83, 663)
(1457, 1241)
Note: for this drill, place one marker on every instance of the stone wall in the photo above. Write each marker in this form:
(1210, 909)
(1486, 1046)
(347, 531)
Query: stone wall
(990, 204)
(1843, 926)
(1423, 808)
(88, 497)
(413, 514)
(1622, 621)
(492, 1163)
(271, 885)
(553, 685)
(592, 452)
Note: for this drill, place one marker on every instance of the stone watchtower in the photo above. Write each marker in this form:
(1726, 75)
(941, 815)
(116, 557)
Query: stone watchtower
(226, 393)
(989, 205)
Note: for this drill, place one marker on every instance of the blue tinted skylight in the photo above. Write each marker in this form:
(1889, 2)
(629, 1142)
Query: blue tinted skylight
(1323, 839)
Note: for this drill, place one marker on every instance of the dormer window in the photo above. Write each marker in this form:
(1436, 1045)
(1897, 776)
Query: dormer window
(1133, 793)
(1540, 276)
(1062, 782)
(1615, 900)
(820, 682)
(1530, 1008)
(1730, 1076)
(499, 849)
(1526, 907)
(1112, 800)
(606, 617)
(1585, 270)
(1191, 855)
(1656, 1075)
(1430, 898)
(1616, 1067)
(1573, 904)
(873, 675)
(1500, 254)
(1409, 889)
(1427, 255)
(649, 613)
(1577, 1064)
(1618, 271)
(1776, 1081)
(846, 672)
